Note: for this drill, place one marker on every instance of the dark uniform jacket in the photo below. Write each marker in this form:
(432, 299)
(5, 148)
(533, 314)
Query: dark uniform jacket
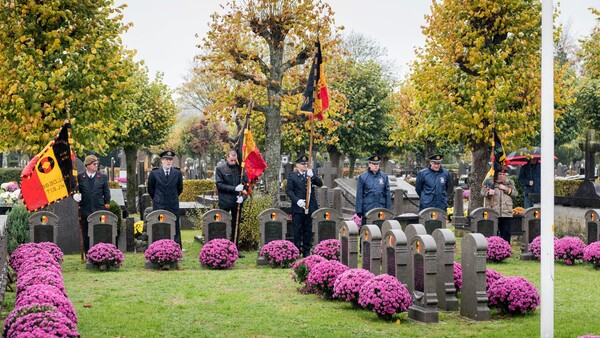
(165, 191)
(372, 191)
(432, 187)
(227, 177)
(296, 190)
(95, 193)
(531, 172)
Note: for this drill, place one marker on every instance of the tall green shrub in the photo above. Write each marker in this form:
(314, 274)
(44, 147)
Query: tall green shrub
(10, 174)
(249, 227)
(115, 208)
(17, 226)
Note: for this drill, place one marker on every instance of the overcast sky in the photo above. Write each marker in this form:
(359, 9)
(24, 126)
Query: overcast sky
(164, 30)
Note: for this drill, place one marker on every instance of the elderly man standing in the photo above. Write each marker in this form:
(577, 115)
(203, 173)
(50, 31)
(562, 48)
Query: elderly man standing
(432, 184)
(498, 195)
(372, 189)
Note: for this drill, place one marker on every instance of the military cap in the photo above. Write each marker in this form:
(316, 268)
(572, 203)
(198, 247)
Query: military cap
(503, 169)
(302, 159)
(89, 160)
(437, 158)
(168, 154)
(374, 159)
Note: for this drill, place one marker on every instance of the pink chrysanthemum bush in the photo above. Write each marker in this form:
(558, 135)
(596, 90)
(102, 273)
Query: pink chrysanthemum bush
(329, 249)
(535, 247)
(491, 276)
(356, 219)
(498, 249)
(280, 253)
(43, 324)
(39, 262)
(52, 249)
(219, 253)
(513, 295)
(163, 252)
(347, 285)
(105, 254)
(569, 249)
(21, 311)
(457, 276)
(35, 277)
(47, 295)
(27, 251)
(322, 276)
(591, 254)
(385, 296)
(302, 268)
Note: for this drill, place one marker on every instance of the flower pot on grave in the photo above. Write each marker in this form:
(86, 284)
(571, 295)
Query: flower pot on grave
(103, 267)
(166, 267)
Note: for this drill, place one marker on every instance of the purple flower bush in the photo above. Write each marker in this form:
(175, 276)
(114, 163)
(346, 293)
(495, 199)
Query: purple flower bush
(35, 277)
(219, 253)
(356, 219)
(22, 311)
(25, 252)
(513, 295)
(457, 276)
(280, 253)
(329, 249)
(52, 249)
(569, 249)
(35, 264)
(535, 247)
(43, 324)
(302, 268)
(491, 276)
(385, 296)
(498, 249)
(105, 254)
(347, 285)
(47, 295)
(322, 276)
(591, 254)
(163, 252)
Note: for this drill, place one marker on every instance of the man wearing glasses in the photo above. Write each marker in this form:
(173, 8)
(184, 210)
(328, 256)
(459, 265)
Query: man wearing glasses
(372, 189)
(432, 184)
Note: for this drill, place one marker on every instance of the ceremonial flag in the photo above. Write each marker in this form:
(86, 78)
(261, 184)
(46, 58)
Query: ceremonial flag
(252, 159)
(49, 177)
(498, 155)
(318, 103)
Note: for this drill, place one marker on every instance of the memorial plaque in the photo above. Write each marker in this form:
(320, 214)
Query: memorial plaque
(43, 233)
(103, 233)
(592, 232)
(391, 261)
(432, 225)
(216, 230)
(366, 255)
(161, 231)
(486, 228)
(273, 231)
(534, 229)
(419, 273)
(326, 230)
(344, 248)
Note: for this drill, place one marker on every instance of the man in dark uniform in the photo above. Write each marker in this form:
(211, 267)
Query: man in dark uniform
(231, 191)
(296, 191)
(372, 189)
(165, 184)
(94, 194)
(530, 177)
(432, 184)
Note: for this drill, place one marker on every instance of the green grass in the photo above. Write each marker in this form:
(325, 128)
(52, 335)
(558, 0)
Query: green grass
(259, 301)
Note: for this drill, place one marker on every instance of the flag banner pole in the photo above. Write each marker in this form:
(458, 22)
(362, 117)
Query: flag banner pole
(242, 170)
(312, 125)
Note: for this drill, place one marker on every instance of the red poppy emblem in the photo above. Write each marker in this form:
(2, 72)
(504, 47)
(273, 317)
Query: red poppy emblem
(46, 165)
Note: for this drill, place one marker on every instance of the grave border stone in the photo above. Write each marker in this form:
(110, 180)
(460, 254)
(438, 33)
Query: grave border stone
(349, 257)
(396, 238)
(169, 218)
(446, 291)
(371, 235)
(52, 220)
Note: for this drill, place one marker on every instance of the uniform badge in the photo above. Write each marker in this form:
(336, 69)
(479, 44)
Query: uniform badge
(381, 181)
(442, 180)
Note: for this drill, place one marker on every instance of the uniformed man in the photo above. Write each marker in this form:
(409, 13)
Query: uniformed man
(165, 184)
(432, 184)
(296, 191)
(372, 189)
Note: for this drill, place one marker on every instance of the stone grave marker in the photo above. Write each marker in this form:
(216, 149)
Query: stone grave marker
(459, 220)
(433, 218)
(216, 223)
(389, 225)
(160, 224)
(422, 277)
(145, 203)
(446, 291)
(348, 235)
(474, 301)
(413, 230)
(273, 226)
(326, 223)
(43, 227)
(370, 241)
(328, 174)
(117, 196)
(531, 224)
(484, 221)
(378, 215)
(395, 255)
(592, 221)
(102, 227)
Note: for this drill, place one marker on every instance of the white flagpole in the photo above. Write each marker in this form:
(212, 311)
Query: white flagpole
(547, 193)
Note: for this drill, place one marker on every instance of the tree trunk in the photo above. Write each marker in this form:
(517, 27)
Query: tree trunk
(480, 157)
(131, 164)
(351, 169)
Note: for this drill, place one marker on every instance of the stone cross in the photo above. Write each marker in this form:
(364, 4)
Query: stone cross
(328, 174)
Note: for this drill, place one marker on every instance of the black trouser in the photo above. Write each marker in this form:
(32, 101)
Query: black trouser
(177, 236)
(504, 228)
(302, 232)
(84, 232)
(235, 220)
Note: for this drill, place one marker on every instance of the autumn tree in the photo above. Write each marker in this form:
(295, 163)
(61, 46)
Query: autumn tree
(588, 96)
(204, 138)
(56, 53)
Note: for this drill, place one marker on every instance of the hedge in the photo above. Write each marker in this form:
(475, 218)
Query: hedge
(193, 188)
(10, 174)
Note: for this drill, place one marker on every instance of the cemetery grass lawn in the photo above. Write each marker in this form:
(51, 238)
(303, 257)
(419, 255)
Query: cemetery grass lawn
(259, 301)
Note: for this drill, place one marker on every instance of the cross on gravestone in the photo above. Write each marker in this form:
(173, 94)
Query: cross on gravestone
(348, 235)
(102, 227)
(328, 174)
(422, 270)
(446, 292)
(395, 255)
(433, 218)
(484, 221)
(370, 240)
(592, 220)
(378, 215)
(273, 227)
(474, 301)
(531, 227)
(216, 223)
(160, 224)
(43, 227)
(326, 223)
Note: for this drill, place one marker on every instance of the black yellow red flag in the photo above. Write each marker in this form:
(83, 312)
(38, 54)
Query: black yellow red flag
(316, 97)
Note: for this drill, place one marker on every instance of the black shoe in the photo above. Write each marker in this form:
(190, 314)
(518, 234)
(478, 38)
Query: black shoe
(241, 255)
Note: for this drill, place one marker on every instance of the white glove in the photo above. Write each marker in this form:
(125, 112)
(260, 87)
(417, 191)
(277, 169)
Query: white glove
(77, 197)
(239, 200)
(310, 173)
(301, 203)
(239, 187)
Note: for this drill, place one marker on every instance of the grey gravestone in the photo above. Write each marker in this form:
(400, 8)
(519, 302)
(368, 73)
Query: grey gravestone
(117, 196)
(446, 292)
(484, 221)
(433, 218)
(389, 225)
(216, 223)
(458, 216)
(328, 174)
(422, 270)
(326, 223)
(531, 229)
(43, 227)
(395, 255)
(378, 215)
(102, 227)
(474, 301)
(593, 221)
(348, 236)
(322, 199)
(370, 240)
(145, 203)
(129, 238)
(273, 226)
(412, 230)
(160, 224)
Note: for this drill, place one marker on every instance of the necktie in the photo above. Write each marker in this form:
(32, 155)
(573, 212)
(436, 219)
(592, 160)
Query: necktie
(167, 173)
